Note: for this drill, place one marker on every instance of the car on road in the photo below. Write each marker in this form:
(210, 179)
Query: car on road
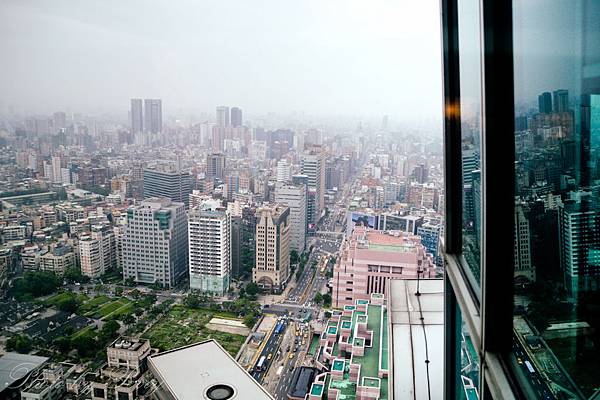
(291, 356)
(270, 356)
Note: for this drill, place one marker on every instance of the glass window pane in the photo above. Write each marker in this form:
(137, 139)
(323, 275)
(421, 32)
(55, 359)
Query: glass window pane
(467, 373)
(557, 218)
(470, 111)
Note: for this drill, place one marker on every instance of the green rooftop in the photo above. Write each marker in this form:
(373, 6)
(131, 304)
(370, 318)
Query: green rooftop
(349, 308)
(362, 301)
(332, 330)
(338, 365)
(359, 341)
(385, 344)
(391, 248)
(371, 382)
(317, 389)
(346, 324)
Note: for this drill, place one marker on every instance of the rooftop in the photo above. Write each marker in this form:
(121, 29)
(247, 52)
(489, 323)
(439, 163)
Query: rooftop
(14, 366)
(189, 371)
(410, 336)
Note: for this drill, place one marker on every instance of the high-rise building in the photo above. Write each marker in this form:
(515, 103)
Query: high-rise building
(313, 166)
(222, 116)
(137, 116)
(209, 239)
(283, 171)
(561, 100)
(98, 252)
(155, 242)
(369, 259)
(236, 116)
(579, 224)
(215, 166)
(295, 198)
(523, 263)
(272, 267)
(153, 115)
(545, 103)
(166, 180)
(59, 121)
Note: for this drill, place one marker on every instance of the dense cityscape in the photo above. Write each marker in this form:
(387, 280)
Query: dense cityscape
(168, 235)
(224, 201)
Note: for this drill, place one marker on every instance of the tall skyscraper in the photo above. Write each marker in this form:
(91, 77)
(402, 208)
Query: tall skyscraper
(272, 267)
(545, 103)
(313, 166)
(215, 166)
(236, 116)
(579, 224)
(283, 171)
(209, 239)
(295, 198)
(223, 116)
(523, 262)
(59, 121)
(155, 242)
(152, 115)
(137, 117)
(165, 180)
(561, 100)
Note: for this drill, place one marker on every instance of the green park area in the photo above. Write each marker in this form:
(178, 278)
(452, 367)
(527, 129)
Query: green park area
(96, 307)
(183, 326)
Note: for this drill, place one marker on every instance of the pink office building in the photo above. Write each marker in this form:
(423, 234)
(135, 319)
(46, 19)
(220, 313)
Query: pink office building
(370, 258)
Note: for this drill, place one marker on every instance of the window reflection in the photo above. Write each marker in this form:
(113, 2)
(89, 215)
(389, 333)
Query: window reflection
(470, 109)
(557, 214)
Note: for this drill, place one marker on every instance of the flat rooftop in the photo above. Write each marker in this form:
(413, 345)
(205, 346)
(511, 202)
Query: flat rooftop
(410, 337)
(188, 372)
(14, 366)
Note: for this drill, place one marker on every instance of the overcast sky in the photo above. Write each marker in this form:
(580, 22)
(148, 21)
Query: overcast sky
(319, 56)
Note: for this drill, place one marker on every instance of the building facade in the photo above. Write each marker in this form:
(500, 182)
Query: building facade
(272, 267)
(295, 198)
(209, 239)
(370, 258)
(167, 181)
(155, 242)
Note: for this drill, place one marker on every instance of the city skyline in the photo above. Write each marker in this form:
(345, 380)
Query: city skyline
(276, 65)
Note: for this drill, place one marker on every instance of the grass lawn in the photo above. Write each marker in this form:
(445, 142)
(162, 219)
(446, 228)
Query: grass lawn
(108, 308)
(183, 326)
(91, 306)
(57, 298)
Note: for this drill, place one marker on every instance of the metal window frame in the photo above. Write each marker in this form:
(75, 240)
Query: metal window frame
(486, 311)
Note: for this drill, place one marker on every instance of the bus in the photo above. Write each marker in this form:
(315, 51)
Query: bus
(260, 365)
(279, 328)
(529, 367)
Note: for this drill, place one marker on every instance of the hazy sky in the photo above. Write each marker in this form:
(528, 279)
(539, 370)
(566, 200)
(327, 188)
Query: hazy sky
(366, 57)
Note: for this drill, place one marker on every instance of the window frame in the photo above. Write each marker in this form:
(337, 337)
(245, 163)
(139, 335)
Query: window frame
(487, 311)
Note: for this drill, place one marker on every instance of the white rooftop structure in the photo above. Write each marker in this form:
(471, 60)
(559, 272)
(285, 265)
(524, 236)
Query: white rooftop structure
(191, 372)
(410, 334)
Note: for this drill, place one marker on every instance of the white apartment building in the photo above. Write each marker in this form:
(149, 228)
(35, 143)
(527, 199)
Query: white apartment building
(209, 239)
(294, 196)
(155, 242)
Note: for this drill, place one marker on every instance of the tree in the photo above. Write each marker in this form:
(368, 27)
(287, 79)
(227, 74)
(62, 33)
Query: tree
(294, 257)
(250, 320)
(74, 274)
(118, 291)
(19, 343)
(85, 344)
(327, 300)
(191, 301)
(63, 344)
(109, 330)
(69, 304)
(252, 289)
(318, 298)
(34, 284)
(128, 319)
